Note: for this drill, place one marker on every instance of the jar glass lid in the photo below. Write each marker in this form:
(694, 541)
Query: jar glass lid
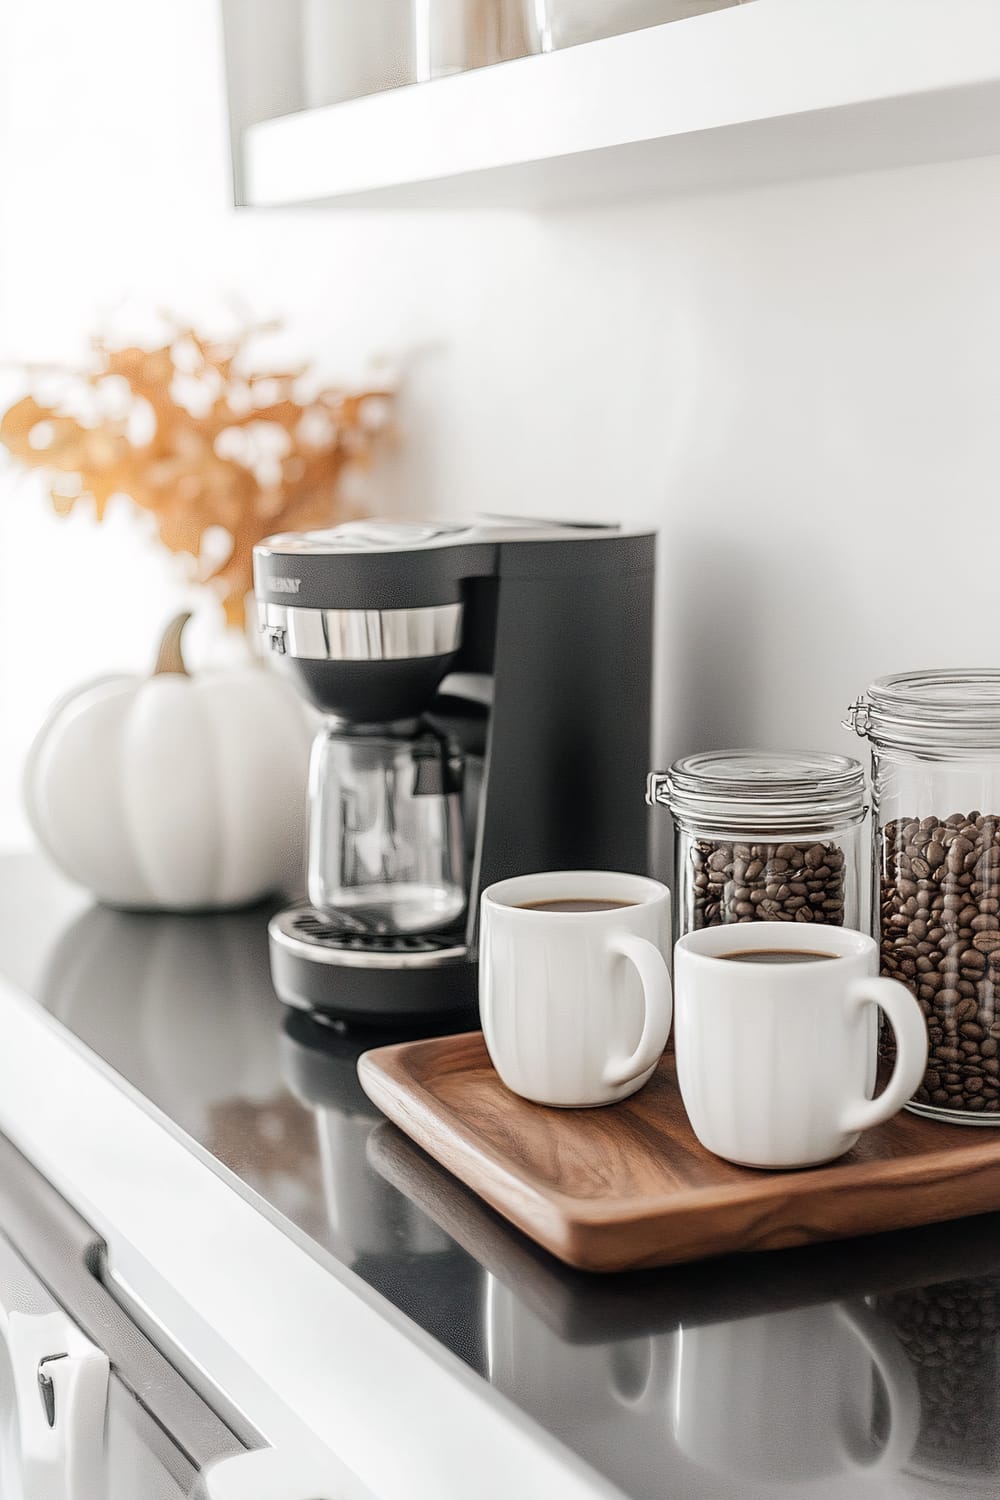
(760, 790)
(937, 707)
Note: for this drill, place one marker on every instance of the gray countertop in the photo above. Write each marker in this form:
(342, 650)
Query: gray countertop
(862, 1368)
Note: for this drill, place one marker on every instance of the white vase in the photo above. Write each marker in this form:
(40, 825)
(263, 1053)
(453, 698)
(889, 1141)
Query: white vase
(453, 36)
(568, 22)
(355, 47)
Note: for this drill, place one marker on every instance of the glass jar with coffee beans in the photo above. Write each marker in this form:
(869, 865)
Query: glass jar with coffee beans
(764, 836)
(951, 1334)
(935, 745)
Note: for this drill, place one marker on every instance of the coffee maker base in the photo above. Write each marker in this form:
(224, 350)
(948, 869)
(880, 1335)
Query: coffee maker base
(386, 981)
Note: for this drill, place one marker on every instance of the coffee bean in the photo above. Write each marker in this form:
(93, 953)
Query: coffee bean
(940, 926)
(768, 882)
(951, 1335)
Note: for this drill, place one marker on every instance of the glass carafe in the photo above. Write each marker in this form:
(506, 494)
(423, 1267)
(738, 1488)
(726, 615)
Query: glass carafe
(386, 852)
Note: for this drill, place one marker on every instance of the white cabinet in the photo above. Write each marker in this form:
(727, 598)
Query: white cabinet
(90, 1408)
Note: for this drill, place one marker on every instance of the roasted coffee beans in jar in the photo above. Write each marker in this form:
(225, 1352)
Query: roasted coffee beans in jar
(935, 743)
(764, 836)
(951, 1335)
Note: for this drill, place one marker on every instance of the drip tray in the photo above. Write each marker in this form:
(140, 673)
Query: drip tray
(311, 935)
(312, 926)
(318, 965)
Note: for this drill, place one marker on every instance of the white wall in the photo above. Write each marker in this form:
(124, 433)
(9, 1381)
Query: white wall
(799, 385)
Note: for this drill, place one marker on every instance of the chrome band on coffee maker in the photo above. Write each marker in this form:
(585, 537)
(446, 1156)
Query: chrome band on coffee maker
(361, 634)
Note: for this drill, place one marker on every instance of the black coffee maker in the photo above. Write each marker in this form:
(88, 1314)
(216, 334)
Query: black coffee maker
(485, 692)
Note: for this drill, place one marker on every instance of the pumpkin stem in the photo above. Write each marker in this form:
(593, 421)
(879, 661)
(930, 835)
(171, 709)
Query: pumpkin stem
(170, 658)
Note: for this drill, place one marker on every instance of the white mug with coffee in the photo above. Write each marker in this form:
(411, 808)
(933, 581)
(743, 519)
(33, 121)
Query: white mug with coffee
(786, 1398)
(776, 1037)
(574, 990)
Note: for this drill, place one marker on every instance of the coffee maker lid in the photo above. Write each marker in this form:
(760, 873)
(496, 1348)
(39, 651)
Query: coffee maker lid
(378, 535)
(365, 565)
(367, 536)
(394, 564)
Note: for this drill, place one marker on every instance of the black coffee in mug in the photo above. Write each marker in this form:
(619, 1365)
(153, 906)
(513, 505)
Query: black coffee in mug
(777, 956)
(574, 903)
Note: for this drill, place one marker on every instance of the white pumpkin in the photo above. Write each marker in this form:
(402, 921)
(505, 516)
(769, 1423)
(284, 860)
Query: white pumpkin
(175, 792)
(181, 1006)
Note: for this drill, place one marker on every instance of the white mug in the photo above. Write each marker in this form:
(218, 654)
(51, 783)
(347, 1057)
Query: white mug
(788, 1397)
(776, 1062)
(575, 1006)
(560, 1380)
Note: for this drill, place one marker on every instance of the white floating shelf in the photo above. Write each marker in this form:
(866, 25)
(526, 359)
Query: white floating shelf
(762, 92)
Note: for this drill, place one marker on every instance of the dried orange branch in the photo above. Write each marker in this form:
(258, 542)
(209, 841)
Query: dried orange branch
(220, 447)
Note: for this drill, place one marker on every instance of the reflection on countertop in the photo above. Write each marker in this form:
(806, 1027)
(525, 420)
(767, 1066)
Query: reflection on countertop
(795, 1372)
(866, 1368)
(182, 1007)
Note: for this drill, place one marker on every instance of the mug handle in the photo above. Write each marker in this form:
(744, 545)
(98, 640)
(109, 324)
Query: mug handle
(907, 1021)
(899, 1382)
(658, 1004)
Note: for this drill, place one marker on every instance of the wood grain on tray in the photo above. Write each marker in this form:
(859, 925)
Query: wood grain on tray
(628, 1185)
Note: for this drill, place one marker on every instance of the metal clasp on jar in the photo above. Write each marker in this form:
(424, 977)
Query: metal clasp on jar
(858, 717)
(656, 789)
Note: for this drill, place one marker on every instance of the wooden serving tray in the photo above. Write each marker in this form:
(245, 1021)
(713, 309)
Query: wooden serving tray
(585, 1309)
(628, 1185)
